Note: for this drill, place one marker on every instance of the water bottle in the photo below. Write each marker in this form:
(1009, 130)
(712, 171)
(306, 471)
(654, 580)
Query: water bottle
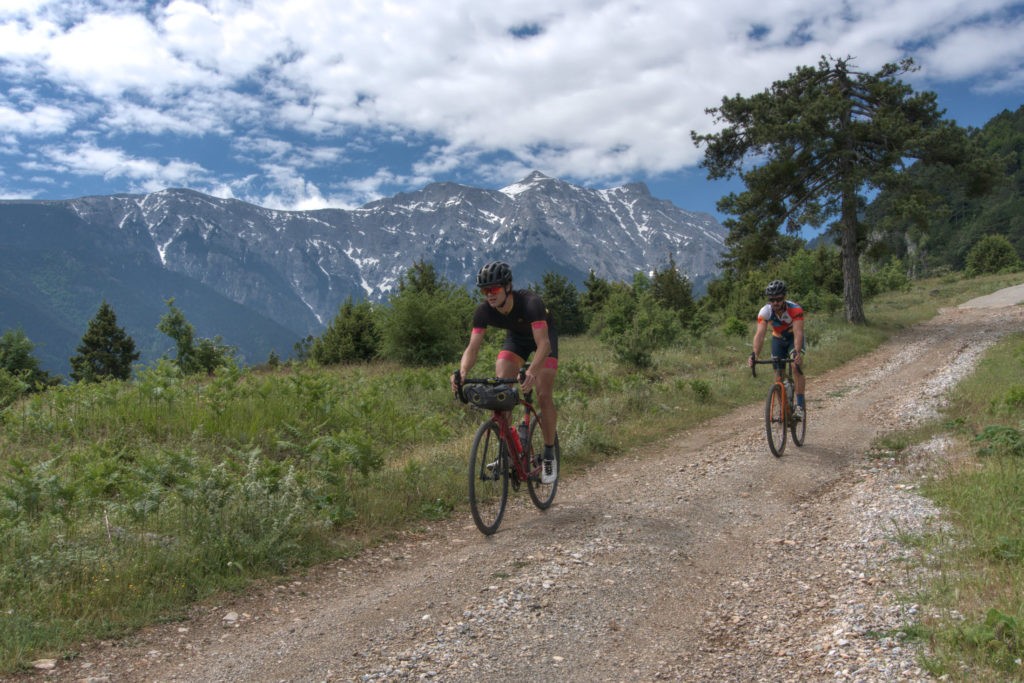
(524, 436)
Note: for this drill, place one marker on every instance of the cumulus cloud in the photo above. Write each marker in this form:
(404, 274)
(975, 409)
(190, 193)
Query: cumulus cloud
(112, 164)
(321, 100)
(40, 120)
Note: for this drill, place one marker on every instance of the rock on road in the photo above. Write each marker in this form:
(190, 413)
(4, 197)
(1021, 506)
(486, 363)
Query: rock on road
(699, 558)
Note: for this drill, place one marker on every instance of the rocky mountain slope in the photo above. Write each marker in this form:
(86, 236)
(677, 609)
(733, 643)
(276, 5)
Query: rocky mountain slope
(262, 279)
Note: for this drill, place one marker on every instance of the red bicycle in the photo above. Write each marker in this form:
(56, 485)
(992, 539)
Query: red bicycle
(502, 453)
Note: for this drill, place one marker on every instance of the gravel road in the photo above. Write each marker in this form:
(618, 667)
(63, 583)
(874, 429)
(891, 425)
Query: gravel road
(700, 558)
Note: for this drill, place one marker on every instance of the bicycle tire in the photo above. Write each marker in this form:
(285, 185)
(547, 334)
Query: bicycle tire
(542, 494)
(488, 478)
(798, 429)
(775, 420)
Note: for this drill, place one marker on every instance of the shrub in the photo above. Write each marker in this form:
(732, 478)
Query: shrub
(734, 327)
(992, 254)
(353, 335)
(1000, 440)
(16, 359)
(194, 356)
(423, 328)
(11, 388)
(890, 278)
(635, 326)
(701, 389)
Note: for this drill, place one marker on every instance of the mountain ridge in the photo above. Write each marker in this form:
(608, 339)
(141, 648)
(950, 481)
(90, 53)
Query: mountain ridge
(226, 258)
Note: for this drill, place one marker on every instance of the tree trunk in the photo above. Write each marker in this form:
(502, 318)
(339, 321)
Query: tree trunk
(852, 300)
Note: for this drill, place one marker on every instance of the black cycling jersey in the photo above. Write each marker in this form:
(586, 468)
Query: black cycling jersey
(527, 309)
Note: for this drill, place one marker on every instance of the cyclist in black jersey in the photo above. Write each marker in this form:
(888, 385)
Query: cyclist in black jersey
(529, 329)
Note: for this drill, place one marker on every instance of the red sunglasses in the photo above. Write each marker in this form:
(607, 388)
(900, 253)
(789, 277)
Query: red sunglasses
(493, 289)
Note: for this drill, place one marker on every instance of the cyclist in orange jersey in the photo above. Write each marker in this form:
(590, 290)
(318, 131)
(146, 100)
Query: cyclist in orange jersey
(786, 319)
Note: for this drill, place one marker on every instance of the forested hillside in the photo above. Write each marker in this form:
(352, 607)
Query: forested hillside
(938, 236)
(927, 224)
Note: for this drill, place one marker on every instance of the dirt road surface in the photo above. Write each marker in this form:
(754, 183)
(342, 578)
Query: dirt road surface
(701, 558)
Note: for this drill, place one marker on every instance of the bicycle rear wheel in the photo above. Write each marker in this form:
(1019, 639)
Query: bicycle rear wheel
(541, 494)
(488, 478)
(798, 428)
(775, 420)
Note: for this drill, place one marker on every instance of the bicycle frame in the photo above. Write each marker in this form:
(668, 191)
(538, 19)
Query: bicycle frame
(510, 436)
(782, 376)
(783, 387)
(499, 457)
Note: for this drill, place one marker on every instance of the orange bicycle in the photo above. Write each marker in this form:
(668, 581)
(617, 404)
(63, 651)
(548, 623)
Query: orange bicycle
(778, 406)
(502, 453)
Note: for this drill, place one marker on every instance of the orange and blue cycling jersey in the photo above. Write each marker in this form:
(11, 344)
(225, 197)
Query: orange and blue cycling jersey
(782, 325)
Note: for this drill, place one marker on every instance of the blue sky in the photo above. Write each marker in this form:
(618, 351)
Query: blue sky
(306, 104)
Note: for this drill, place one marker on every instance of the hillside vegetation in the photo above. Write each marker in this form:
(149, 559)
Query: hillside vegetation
(122, 503)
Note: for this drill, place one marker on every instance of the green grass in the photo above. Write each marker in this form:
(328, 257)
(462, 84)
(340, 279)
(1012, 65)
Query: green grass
(122, 504)
(975, 602)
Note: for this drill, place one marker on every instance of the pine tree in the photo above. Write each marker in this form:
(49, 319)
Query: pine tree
(563, 301)
(106, 352)
(194, 355)
(595, 294)
(674, 291)
(352, 336)
(825, 139)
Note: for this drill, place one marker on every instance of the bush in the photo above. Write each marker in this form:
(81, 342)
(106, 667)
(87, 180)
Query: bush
(821, 302)
(635, 326)
(701, 389)
(421, 328)
(17, 360)
(734, 327)
(194, 355)
(890, 278)
(1000, 440)
(11, 388)
(992, 254)
(352, 336)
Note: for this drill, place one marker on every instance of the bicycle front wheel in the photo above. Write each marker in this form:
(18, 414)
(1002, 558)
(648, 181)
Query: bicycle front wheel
(488, 478)
(775, 420)
(798, 428)
(541, 494)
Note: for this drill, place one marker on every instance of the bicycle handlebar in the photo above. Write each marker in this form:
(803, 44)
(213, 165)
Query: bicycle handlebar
(770, 361)
(461, 381)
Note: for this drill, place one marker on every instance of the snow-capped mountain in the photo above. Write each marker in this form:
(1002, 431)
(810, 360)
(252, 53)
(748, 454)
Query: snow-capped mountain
(292, 270)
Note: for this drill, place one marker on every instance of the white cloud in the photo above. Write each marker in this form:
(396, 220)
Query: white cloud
(109, 54)
(40, 120)
(983, 49)
(144, 174)
(587, 89)
(291, 191)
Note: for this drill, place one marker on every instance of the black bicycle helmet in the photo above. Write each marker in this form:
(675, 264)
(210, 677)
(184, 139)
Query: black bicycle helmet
(494, 273)
(775, 289)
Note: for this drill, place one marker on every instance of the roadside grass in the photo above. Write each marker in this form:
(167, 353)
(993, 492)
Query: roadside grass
(122, 504)
(973, 616)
